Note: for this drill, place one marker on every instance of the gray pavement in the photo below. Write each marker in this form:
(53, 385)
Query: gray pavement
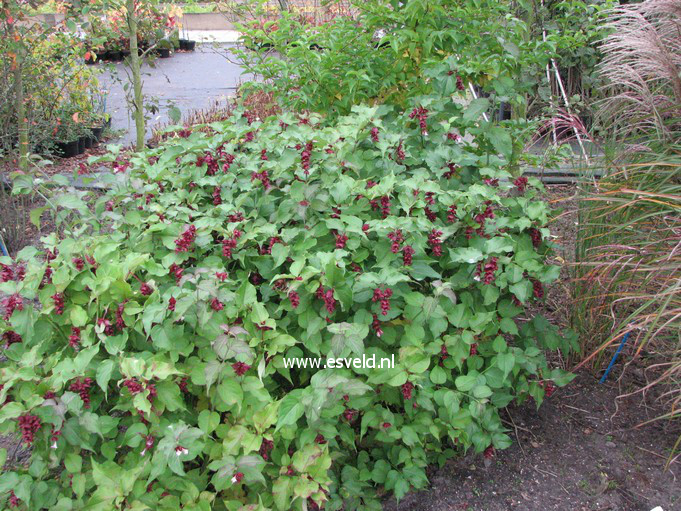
(188, 81)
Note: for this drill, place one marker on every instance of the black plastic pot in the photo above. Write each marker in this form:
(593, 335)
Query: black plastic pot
(115, 56)
(97, 133)
(190, 45)
(125, 53)
(89, 141)
(81, 145)
(66, 149)
(164, 53)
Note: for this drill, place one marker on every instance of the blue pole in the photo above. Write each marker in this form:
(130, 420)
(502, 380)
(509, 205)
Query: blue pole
(614, 357)
(3, 248)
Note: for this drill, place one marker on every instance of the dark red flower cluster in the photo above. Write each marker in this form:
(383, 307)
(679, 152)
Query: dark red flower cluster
(263, 176)
(397, 238)
(79, 263)
(238, 477)
(327, 297)
(421, 114)
(148, 444)
(455, 137)
(407, 255)
(489, 452)
(520, 183)
(491, 182)
(265, 447)
(11, 337)
(74, 338)
(382, 204)
(451, 214)
(305, 157)
(350, 414)
(133, 386)
(453, 170)
(7, 273)
(216, 305)
(537, 289)
(176, 272)
(229, 244)
(459, 83)
(549, 388)
(481, 218)
(250, 136)
(146, 289)
(217, 197)
(374, 134)
(108, 327)
(109, 206)
(376, 326)
(435, 242)
(399, 153)
(13, 499)
(490, 269)
(184, 242)
(407, 390)
(474, 349)
(294, 298)
(383, 296)
(430, 214)
(171, 303)
(263, 155)
(12, 303)
(221, 275)
(267, 249)
(535, 234)
(120, 323)
(235, 217)
(58, 299)
(240, 368)
(28, 425)
(341, 240)
(183, 384)
(82, 388)
(229, 159)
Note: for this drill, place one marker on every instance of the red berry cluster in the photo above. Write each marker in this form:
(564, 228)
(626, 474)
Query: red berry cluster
(229, 244)
(537, 289)
(383, 296)
(421, 114)
(120, 323)
(171, 303)
(520, 183)
(489, 452)
(407, 390)
(263, 155)
(12, 303)
(430, 214)
(74, 338)
(376, 326)
(184, 242)
(341, 240)
(263, 176)
(435, 242)
(454, 137)
(229, 159)
(305, 157)
(13, 499)
(327, 297)
(29, 425)
(250, 136)
(474, 349)
(82, 388)
(58, 299)
(397, 239)
(240, 368)
(374, 134)
(459, 83)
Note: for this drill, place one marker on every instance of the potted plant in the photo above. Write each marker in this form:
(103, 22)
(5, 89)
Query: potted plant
(66, 138)
(163, 48)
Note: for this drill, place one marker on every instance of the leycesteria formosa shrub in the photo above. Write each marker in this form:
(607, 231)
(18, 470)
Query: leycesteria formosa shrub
(151, 375)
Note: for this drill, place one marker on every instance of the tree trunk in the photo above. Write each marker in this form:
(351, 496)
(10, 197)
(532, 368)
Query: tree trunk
(135, 67)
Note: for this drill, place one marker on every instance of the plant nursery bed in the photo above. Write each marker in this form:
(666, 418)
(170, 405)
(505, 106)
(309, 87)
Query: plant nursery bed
(579, 452)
